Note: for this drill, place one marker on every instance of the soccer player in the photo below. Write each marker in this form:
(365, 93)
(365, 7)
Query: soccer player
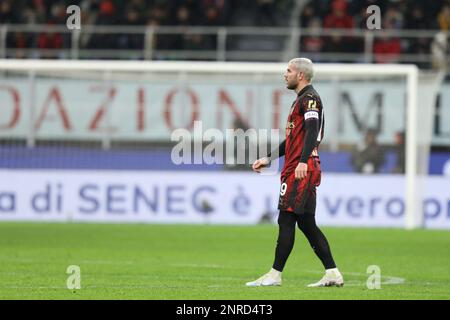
(300, 176)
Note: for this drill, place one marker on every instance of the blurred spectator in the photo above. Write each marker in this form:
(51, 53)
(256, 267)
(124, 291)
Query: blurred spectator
(387, 49)
(416, 18)
(185, 41)
(370, 157)
(393, 18)
(49, 42)
(158, 15)
(241, 149)
(360, 18)
(439, 48)
(137, 5)
(313, 43)
(213, 17)
(444, 18)
(339, 19)
(399, 152)
(6, 12)
(41, 12)
(132, 41)
(421, 47)
(57, 14)
(265, 13)
(221, 14)
(308, 15)
(183, 17)
(107, 13)
(29, 16)
(20, 42)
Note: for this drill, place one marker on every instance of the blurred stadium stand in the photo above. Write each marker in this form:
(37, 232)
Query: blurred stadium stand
(262, 30)
(224, 30)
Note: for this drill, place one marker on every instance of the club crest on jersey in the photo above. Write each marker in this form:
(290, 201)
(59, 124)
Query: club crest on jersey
(289, 126)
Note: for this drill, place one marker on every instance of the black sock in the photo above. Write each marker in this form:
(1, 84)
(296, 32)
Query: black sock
(286, 238)
(317, 239)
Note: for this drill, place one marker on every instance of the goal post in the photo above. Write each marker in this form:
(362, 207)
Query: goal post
(258, 75)
(413, 200)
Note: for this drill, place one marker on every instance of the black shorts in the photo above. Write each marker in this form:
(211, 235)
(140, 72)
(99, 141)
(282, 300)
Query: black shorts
(299, 196)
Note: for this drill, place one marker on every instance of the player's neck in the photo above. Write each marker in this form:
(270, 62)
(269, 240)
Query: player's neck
(301, 86)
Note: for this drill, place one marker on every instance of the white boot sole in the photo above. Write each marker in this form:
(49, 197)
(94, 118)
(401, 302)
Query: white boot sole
(252, 284)
(329, 284)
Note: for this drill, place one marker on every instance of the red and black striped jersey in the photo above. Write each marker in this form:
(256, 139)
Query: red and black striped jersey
(306, 108)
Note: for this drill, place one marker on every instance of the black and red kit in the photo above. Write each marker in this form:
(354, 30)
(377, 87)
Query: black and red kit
(304, 132)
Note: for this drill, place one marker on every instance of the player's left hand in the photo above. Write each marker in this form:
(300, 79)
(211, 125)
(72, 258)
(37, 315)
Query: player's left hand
(301, 170)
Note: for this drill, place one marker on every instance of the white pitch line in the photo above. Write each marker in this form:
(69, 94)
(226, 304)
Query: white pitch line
(105, 262)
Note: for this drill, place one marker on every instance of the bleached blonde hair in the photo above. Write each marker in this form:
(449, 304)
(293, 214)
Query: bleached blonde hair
(304, 65)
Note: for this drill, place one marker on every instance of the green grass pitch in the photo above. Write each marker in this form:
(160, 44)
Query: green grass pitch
(213, 262)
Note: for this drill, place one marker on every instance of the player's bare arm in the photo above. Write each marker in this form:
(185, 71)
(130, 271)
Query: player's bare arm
(301, 170)
(260, 163)
(264, 162)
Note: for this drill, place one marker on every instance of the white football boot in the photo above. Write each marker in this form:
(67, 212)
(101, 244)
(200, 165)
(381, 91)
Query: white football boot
(331, 278)
(272, 278)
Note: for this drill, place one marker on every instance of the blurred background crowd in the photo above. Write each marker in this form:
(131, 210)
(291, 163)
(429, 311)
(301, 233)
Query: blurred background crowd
(315, 16)
(398, 14)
